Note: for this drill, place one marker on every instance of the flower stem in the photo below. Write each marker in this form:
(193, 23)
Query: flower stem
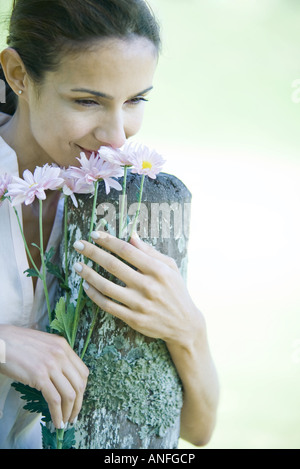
(25, 244)
(66, 239)
(93, 217)
(77, 310)
(66, 247)
(138, 209)
(43, 261)
(87, 341)
(59, 438)
(123, 203)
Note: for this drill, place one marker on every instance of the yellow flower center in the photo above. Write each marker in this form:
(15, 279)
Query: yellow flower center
(147, 165)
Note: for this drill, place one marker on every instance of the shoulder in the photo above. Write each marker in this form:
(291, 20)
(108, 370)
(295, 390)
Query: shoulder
(8, 157)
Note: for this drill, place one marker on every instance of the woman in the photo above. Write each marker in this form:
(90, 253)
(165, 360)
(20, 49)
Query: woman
(78, 74)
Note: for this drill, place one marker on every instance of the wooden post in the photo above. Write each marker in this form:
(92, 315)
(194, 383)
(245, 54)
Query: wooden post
(134, 395)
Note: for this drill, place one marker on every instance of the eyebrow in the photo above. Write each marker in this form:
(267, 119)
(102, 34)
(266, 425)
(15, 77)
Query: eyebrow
(107, 96)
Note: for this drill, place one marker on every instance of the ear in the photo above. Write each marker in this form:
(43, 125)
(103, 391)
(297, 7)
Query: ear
(14, 69)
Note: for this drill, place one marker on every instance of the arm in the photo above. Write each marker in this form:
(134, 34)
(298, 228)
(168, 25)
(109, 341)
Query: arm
(201, 389)
(156, 303)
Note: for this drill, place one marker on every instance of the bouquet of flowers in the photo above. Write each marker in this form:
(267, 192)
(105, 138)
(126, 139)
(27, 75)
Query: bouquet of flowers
(104, 167)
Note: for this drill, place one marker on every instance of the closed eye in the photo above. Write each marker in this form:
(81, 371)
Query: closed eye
(86, 102)
(136, 100)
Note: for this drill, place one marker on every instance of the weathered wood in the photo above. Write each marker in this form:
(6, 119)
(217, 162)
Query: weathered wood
(134, 395)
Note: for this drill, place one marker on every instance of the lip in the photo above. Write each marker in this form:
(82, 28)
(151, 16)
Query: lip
(88, 152)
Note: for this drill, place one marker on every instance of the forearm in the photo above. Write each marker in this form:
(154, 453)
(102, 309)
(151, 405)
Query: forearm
(196, 369)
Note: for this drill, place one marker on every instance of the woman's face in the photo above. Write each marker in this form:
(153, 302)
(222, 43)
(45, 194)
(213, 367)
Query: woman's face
(96, 98)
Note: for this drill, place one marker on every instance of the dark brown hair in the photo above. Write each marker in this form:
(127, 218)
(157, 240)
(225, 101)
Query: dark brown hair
(43, 31)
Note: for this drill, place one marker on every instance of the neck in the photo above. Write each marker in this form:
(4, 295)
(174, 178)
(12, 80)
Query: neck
(18, 138)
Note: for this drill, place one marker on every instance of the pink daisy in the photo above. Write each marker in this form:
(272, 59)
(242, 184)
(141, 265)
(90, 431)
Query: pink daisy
(74, 185)
(95, 169)
(119, 156)
(34, 185)
(146, 162)
(5, 180)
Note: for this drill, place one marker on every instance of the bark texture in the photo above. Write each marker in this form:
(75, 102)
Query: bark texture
(134, 395)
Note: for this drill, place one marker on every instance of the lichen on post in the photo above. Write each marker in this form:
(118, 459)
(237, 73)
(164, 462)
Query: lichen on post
(134, 395)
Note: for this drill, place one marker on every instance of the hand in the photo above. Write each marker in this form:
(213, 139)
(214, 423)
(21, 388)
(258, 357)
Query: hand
(47, 363)
(154, 301)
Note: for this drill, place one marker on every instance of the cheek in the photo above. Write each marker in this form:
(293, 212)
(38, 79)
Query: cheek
(134, 122)
(60, 130)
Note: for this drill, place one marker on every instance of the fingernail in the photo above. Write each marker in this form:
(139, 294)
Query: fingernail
(78, 245)
(75, 421)
(78, 267)
(95, 235)
(85, 285)
(62, 425)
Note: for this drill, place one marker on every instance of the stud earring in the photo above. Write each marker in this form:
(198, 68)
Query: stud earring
(20, 91)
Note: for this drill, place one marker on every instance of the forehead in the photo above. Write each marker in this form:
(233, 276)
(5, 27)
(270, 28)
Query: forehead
(108, 66)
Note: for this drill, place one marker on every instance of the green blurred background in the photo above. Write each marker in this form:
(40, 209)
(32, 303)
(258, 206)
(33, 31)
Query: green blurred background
(225, 114)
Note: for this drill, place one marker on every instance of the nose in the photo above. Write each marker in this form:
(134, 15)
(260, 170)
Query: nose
(111, 131)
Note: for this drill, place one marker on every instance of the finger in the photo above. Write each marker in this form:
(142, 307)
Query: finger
(152, 252)
(53, 399)
(78, 385)
(124, 250)
(67, 394)
(79, 365)
(77, 374)
(132, 318)
(103, 285)
(109, 262)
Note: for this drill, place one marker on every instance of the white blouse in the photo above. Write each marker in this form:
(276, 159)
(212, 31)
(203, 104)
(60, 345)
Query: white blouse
(20, 306)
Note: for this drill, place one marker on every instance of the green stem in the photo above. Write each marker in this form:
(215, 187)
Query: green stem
(26, 245)
(66, 238)
(59, 438)
(138, 209)
(123, 202)
(66, 245)
(93, 217)
(87, 341)
(77, 310)
(43, 261)
(77, 313)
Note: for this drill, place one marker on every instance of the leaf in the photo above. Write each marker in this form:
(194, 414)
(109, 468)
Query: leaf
(54, 270)
(48, 438)
(51, 267)
(35, 400)
(69, 438)
(65, 287)
(32, 273)
(36, 246)
(49, 254)
(64, 320)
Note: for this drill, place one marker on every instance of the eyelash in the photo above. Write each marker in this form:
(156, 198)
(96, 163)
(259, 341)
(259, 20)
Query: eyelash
(86, 102)
(90, 102)
(137, 100)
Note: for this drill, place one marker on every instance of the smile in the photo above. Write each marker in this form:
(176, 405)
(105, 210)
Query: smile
(88, 152)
